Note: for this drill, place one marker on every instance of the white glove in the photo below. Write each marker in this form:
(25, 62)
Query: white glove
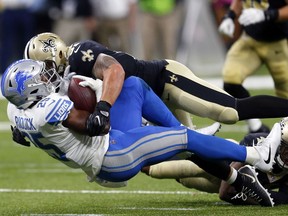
(227, 27)
(95, 85)
(251, 16)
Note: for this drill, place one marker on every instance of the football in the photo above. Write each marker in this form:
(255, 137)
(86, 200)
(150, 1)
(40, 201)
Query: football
(84, 98)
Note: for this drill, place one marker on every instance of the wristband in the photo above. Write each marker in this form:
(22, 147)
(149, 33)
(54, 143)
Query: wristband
(103, 105)
(230, 14)
(271, 15)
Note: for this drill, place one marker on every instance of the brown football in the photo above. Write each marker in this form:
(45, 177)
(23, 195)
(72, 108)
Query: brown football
(84, 98)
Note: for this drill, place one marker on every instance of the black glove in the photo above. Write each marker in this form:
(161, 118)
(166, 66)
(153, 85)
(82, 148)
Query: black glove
(98, 123)
(18, 137)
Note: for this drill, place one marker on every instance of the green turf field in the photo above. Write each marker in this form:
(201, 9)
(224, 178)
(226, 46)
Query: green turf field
(31, 183)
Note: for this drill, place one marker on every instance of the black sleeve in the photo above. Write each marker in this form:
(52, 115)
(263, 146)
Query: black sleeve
(219, 169)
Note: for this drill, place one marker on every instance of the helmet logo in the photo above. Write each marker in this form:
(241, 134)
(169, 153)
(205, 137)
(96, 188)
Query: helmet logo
(20, 78)
(48, 45)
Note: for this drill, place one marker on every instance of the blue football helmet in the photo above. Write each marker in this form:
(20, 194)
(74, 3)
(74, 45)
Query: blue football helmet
(27, 81)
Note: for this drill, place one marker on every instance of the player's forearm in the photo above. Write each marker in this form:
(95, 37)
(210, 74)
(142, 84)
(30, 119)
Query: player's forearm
(236, 7)
(112, 83)
(112, 73)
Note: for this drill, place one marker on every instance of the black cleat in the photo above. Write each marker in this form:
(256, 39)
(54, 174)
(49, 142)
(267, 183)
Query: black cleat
(252, 187)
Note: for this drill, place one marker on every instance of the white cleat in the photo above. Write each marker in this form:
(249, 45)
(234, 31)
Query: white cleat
(210, 130)
(267, 149)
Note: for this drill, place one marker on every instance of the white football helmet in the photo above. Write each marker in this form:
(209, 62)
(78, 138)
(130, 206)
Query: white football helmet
(47, 47)
(281, 157)
(27, 81)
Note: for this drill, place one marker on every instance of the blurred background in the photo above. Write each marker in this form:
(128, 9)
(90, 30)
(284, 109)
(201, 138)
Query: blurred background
(185, 30)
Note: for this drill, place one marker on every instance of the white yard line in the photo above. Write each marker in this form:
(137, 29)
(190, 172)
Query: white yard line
(10, 190)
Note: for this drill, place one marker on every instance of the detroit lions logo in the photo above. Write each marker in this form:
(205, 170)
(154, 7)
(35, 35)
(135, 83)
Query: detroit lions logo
(48, 45)
(20, 78)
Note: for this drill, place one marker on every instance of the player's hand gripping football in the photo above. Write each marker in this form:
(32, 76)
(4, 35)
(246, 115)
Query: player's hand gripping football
(95, 85)
(98, 123)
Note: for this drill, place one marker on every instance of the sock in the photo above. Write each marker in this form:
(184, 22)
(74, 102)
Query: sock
(254, 124)
(232, 177)
(252, 155)
(237, 184)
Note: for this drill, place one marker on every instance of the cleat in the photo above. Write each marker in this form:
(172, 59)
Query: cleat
(267, 149)
(210, 130)
(262, 129)
(252, 188)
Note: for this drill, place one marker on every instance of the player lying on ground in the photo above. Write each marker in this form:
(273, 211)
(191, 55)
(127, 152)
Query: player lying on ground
(173, 82)
(187, 173)
(83, 140)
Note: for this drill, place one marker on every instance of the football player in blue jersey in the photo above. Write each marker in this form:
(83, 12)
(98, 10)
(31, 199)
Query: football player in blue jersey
(41, 110)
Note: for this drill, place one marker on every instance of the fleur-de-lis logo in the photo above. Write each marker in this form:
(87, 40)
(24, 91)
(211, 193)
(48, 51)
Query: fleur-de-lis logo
(173, 78)
(48, 45)
(87, 55)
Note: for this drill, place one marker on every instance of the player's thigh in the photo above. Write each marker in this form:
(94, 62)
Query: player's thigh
(276, 59)
(188, 92)
(241, 61)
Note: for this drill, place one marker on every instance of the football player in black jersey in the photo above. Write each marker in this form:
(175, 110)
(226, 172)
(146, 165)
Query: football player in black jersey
(275, 181)
(263, 41)
(190, 175)
(178, 87)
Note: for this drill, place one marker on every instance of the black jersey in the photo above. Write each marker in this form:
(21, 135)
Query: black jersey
(269, 31)
(278, 177)
(84, 54)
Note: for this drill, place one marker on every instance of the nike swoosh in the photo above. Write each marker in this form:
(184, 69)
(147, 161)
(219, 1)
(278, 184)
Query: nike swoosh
(76, 50)
(269, 157)
(253, 179)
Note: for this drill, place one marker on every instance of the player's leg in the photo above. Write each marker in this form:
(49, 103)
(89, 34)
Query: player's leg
(137, 100)
(150, 145)
(184, 117)
(209, 184)
(276, 55)
(174, 169)
(129, 152)
(236, 70)
(196, 96)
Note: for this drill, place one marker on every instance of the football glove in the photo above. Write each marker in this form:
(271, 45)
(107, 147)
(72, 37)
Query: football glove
(95, 85)
(253, 15)
(98, 123)
(227, 26)
(18, 137)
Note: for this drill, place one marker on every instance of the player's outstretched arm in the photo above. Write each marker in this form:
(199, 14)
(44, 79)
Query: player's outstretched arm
(112, 73)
